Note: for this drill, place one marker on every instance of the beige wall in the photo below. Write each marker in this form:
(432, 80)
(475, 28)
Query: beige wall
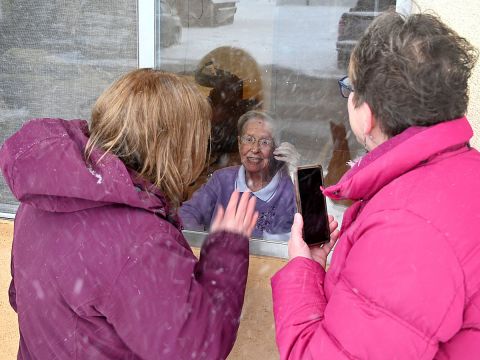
(8, 318)
(256, 335)
(463, 17)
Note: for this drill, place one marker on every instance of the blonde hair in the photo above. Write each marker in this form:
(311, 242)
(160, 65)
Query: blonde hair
(158, 124)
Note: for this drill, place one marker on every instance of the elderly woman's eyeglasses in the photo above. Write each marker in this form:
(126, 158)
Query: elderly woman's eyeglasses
(250, 140)
(346, 87)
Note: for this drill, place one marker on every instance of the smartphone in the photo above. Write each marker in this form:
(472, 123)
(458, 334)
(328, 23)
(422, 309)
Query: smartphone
(311, 204)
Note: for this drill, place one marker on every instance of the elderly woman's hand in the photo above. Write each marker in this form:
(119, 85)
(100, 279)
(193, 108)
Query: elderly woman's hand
(239, 219)
(318, 253)
(286, 152)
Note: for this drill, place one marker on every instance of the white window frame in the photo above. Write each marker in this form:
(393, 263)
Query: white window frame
(148, 29)
(146, 33)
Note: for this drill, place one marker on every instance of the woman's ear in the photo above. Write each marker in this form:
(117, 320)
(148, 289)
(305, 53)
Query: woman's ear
(373, 134)
(368, 119)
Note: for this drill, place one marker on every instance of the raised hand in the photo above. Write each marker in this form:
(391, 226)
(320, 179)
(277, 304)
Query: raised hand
(286, 152)
(239, 217)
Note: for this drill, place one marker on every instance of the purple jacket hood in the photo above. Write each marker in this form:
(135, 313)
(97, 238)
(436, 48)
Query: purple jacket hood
(45, 166)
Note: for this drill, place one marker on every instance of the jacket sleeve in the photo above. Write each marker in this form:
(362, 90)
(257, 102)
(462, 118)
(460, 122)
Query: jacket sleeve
(166, 305)
(398, 295)
(197, 213)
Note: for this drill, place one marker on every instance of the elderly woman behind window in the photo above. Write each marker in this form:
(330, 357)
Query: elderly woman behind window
(263, 172)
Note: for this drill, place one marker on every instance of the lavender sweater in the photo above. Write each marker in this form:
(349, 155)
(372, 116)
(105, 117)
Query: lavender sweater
(275, 214)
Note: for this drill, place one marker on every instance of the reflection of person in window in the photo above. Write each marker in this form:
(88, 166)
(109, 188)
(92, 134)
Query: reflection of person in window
(262, 172)
(226, 98)
(404, 278)
(100, 267)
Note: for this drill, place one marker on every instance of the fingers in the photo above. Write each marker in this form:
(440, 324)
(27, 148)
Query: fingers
(333, 240)
(320, 253)
(280, 156)
(251, 216)
(286, 146)
(335, 235)
(286, 152)
(239, 217)
(328, 246)
(232, 204)
(296, 245)
(218, 218)
(297, 228)
(250, 210)
(243, 203)
(333, 224)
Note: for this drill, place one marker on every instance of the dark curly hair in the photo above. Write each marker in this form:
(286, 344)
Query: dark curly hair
(411, 71)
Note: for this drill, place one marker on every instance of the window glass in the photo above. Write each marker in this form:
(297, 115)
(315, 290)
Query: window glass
(56, 57)
(284, 57)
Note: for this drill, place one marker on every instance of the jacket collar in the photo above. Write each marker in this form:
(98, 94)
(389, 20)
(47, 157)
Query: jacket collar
(264, 194)
(398, 155)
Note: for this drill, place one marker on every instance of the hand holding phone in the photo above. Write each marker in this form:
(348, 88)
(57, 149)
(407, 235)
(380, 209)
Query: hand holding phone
(311, 204)
(297, 247)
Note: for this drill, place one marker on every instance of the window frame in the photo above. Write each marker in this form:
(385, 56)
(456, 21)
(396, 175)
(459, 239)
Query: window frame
(147, 58)
(148, 43)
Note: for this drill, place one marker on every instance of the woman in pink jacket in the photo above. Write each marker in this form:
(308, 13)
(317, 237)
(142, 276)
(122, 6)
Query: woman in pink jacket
(405, 275)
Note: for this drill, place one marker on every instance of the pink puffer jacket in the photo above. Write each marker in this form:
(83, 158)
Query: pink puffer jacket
(405, 274)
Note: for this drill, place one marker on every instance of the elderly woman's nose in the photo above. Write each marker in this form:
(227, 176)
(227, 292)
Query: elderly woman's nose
(255, 147)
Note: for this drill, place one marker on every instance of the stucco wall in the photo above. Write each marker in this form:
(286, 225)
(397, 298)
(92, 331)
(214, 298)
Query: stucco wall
(256, 335)
(462, 16)
(8, 318)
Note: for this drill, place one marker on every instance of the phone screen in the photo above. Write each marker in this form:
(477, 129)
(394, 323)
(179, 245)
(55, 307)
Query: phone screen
(312, 206)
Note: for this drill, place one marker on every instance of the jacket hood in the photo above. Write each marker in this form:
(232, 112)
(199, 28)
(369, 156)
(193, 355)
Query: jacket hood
(407, 150)
(44, 166)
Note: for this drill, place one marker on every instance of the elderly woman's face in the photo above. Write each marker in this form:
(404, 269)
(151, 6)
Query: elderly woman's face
(256, 146)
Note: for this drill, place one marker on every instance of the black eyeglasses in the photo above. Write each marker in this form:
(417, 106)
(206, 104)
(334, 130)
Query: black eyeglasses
(346, 87)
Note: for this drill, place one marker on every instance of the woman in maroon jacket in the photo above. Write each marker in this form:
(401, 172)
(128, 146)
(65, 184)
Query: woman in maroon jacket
(100, 267)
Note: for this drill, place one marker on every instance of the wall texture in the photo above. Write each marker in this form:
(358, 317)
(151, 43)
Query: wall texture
(462, 16)
(256, 335)
(9, 336)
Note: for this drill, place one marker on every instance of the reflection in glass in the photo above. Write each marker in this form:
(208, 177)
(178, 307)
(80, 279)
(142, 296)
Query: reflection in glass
(278, 56)
(354, 22)
(260, 172)
(232, 90)
(56, 57)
